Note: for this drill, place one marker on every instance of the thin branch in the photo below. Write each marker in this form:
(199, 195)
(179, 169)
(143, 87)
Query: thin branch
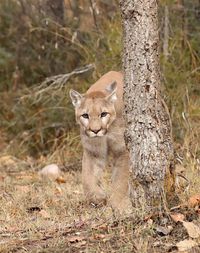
(57, 82)
(93, 5)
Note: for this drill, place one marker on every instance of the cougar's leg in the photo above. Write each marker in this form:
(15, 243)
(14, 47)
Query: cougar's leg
(120, 177)
(92, 168)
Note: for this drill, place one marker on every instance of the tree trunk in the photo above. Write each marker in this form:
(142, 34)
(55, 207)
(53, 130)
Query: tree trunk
(147, 135)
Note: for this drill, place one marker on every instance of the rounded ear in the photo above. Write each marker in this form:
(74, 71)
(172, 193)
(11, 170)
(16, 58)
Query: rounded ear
(75, 97)
(112, 88)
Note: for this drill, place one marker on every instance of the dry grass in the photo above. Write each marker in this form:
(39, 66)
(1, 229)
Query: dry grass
(38, 215)
(45, 216)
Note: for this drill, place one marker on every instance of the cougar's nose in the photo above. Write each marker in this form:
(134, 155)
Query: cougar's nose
(95, 131)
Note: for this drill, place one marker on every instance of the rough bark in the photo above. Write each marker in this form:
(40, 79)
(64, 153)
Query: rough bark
(147, 134)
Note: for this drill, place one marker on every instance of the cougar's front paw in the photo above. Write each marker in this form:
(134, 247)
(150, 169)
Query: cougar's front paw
(121, 206)
(96, 198)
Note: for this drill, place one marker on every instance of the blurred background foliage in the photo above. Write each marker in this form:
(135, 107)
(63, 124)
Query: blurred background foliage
(44, 38)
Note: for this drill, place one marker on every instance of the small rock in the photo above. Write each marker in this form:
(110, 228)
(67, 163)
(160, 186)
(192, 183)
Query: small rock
(50, 171)
(163, 231)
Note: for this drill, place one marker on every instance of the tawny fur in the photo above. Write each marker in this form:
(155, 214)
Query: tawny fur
(103, 136)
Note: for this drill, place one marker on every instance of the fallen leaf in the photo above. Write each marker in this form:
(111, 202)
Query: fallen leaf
(194, 200)
(60, 180)
(2, 178)
(44, 214)
(7, 160)
(186, 244)
(103, 226)
(79, 224)
(99, 236)
(177, 217)
(192, 229)
(13, 229)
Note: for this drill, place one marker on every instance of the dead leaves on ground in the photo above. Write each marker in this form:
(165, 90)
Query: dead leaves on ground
(184, 229)
(61, 180)
(194, 201)
(190, 210)
(186, 245)
(193, 205)
(83, 233)
(177, 217)
(76, 235)
(188, 230)
(193, 230)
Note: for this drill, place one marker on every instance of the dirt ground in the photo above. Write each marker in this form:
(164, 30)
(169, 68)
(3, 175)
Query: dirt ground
(42, 215)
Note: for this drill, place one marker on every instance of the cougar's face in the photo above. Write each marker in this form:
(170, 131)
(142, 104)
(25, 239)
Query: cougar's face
(95, 116)
(95, 112)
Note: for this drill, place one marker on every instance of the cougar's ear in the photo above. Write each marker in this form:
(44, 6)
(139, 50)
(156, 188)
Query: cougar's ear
(75, 97)
(112, 88)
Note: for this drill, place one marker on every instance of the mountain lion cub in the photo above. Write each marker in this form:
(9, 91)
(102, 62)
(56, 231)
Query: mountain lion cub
(99, 114)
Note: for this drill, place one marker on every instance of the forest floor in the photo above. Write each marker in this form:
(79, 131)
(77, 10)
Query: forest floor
(41, 215)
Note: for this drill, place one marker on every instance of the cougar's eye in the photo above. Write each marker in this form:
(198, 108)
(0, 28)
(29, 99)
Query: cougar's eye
(104, 114)
(85, 115)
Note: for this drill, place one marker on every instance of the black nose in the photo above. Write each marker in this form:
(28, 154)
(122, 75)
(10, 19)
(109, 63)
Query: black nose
(95, 131)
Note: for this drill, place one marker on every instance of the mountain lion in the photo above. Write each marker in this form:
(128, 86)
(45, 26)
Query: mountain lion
(99, 114)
